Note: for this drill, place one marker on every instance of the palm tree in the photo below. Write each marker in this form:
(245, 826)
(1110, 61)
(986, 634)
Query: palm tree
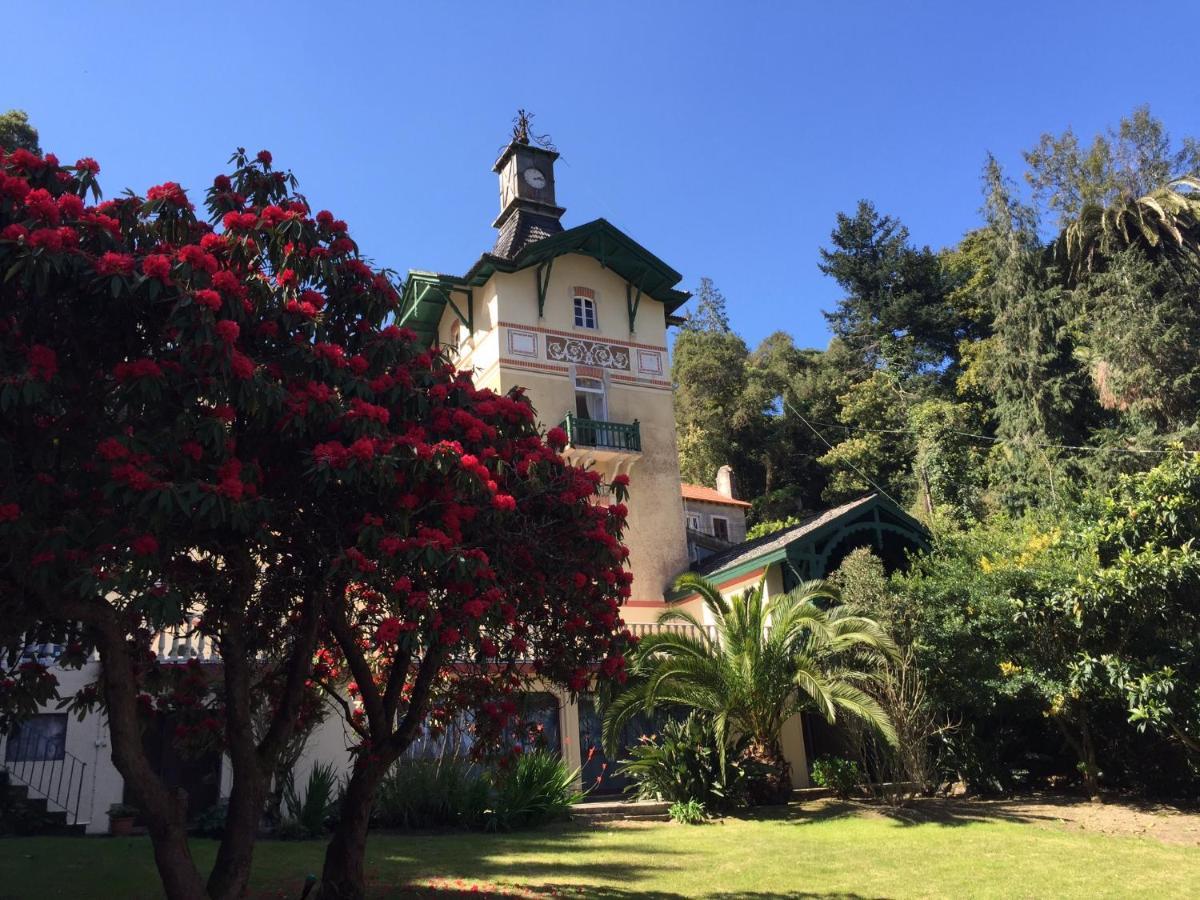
(766, 660)
(1166, 221)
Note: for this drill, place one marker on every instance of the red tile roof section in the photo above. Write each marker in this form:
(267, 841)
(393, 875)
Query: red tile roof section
(708, 495)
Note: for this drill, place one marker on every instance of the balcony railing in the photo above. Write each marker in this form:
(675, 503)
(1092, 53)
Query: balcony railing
(683, 628)
(603, 435)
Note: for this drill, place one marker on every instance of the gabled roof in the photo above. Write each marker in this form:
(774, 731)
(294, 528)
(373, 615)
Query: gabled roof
(603, 241)
(808, 544)
(704, 494)
(426, 294)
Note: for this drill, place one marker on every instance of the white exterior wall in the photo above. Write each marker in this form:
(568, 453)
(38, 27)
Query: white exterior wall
(101, 784)
(734, 515)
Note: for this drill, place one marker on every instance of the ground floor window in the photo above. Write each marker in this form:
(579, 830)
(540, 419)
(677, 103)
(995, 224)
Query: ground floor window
(537, 727)
(42, 737)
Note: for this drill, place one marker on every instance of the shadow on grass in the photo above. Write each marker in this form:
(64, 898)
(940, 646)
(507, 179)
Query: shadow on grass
(404, 865)
(464, 888)
(946, 811)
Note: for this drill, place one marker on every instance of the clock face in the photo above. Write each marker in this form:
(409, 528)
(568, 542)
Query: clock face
(534, 178)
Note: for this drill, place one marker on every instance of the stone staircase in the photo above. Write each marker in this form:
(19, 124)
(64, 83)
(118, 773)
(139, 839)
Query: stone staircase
(616, 810)
(23, 815)
(596, 811)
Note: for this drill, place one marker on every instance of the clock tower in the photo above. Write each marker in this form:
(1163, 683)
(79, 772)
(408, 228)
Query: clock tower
(528, 212)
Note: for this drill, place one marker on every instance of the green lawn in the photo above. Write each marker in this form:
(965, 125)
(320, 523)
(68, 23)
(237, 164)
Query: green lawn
(827, 851)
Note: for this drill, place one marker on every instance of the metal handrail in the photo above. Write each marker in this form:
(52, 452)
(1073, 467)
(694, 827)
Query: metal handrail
(603, 435)
(45, 777)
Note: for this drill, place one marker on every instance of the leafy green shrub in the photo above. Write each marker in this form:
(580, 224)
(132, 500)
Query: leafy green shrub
(211, 822)
(842, 776)
(690, 812)
(308, 817)
(537, 788)
(432, 793)
(683, 763)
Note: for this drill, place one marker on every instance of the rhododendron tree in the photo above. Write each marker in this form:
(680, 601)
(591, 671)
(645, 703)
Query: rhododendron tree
(215, 426)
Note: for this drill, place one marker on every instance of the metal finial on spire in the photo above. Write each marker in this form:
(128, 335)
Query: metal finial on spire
(521, 133)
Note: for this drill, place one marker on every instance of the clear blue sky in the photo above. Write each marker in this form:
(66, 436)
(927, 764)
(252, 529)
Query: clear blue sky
(724, 137)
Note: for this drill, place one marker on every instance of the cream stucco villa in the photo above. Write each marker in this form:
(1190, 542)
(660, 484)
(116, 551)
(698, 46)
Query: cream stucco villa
(579, 318)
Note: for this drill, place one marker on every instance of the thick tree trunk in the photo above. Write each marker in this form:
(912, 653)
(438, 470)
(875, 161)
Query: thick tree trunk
(343, 877)
(776, 786)
(165, 812)
(231, 870)
(1085, 752)
(252, 762)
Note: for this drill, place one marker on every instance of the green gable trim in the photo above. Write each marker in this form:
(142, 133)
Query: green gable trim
(733, 572)
(608, 245)
(809, 551)
(425, 298)
(427, 294)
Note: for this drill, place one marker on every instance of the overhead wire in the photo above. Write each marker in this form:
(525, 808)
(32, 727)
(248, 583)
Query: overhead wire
(983, 437)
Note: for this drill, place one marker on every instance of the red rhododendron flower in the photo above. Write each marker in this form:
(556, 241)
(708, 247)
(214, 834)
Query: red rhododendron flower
(70, 206)
(40, 204)
(388, 631)
(47, 238)
(89, 165)
(363, 449)
(241, 365)
(198, 258)
(157, 266)
(208, 298)
(146, 545)
(115, 264)
(236, 221)
(111, 449)
(138, 368)
(301, 308)
(43, 362)
(556, 438)
(504, 501)
(264, 157)
(170, 192)
(228, 330)
(226, 281)
(9, 512)
(622, 480)
(14, 232)
(192, 450)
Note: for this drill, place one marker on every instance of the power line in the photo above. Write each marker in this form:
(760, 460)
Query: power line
(990, 438)
(860, 472)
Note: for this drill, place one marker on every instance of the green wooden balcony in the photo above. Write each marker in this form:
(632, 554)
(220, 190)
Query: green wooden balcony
(603, 435)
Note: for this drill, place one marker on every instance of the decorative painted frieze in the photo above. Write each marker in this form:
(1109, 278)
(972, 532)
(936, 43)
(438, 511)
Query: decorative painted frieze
(588, 353)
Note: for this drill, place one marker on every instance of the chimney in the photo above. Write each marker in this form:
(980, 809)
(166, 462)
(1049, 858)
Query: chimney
(725, 482)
